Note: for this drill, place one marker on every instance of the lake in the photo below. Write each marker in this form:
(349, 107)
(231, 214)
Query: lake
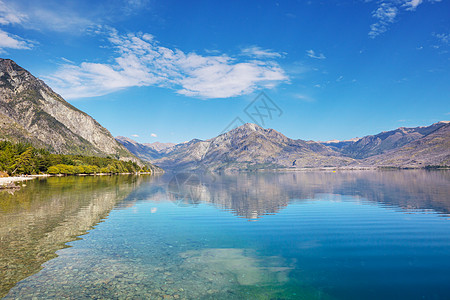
(292, 235)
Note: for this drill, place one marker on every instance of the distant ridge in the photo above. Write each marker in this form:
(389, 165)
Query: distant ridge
(388, 140)
(251, 147)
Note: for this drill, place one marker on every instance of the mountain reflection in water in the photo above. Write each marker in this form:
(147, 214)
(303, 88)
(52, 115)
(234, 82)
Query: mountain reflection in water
(253, 195)
(41, 218)
(341, 234)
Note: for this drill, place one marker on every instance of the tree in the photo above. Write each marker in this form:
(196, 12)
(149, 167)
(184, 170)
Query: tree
(22, 163)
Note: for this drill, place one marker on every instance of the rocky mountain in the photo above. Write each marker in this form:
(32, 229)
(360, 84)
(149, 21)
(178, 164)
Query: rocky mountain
(432, 149)
(143, 151)
(159, 146)
(383, 142)
(251, 147)
(248, 147)
(30, 111)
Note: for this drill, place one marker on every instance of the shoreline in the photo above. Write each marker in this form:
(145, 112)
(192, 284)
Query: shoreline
(10, 182)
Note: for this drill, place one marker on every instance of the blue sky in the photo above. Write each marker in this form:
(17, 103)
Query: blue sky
(172, 71)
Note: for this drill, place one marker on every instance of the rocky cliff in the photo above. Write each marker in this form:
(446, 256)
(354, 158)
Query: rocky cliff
(30, 111)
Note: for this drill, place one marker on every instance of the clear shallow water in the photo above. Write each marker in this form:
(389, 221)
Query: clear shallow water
(309, 235)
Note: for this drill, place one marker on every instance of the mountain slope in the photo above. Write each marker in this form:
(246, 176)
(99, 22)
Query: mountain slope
(248, 147)
(252, 147)
(30, 111)
(383, 142)
(431, 150)
(143, 151)
(157, 146)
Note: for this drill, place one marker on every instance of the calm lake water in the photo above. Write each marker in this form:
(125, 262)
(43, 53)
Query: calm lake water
(302, 235)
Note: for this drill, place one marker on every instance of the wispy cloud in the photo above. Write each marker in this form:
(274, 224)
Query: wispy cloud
(135, 135)
(153, 135)
(387, 12)
(67, 60)
(50, 15)
(142, 61)
(385, 15)
(412, 4)
(8, 15)
(444, 38)
(304, 98)
(259, 52)
(12, 41)
(311, 53)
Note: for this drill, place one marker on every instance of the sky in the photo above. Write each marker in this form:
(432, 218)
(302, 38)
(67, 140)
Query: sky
(171, 71)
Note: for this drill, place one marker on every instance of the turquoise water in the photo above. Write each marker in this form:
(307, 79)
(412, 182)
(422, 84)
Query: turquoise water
(309, 235)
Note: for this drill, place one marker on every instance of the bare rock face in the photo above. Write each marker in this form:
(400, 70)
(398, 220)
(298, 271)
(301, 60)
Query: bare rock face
(30, 111)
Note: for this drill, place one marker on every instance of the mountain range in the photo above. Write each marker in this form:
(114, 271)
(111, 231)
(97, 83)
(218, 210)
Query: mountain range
(31, 112)
(251, 147)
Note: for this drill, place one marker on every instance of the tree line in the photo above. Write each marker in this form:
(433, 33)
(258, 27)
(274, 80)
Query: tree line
(21, 158)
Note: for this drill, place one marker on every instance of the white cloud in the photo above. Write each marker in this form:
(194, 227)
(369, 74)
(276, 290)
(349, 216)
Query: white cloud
(385, 15)
(57, 20)
(304, 98)
(135, 135)
(54, 16)
(8, 15)
(444, 38)
(387, 12)
(153, 135)
(259, 52)
(11, 41)
(311, 53)
(141, 61)
(67, 60)
(411, 5)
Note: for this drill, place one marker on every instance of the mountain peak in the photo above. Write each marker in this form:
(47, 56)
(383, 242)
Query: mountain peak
(251, 126)
(10, 67)
(7, 61)
(247, 127)
(123, 139)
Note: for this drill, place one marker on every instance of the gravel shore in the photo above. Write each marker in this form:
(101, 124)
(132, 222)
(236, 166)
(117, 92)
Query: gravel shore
(6, 182)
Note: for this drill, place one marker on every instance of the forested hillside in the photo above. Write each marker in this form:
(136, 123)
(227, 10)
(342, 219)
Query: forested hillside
(20, 158)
